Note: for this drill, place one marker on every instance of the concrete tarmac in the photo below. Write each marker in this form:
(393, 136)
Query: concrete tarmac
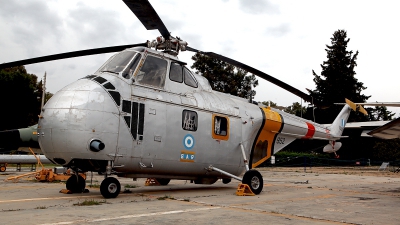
(289, 197)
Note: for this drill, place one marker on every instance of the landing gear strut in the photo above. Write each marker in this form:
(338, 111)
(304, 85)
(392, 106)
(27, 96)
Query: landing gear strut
(110, 187)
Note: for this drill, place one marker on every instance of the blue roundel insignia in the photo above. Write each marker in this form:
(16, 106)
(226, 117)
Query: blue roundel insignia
(188, 141)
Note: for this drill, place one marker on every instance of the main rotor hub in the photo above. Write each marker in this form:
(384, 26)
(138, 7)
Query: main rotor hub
(171, 46)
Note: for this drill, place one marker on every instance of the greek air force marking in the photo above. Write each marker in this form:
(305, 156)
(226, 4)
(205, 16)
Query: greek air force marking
(188, 142)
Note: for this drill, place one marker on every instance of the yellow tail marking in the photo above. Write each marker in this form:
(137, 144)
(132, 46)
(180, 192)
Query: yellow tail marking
(351, 104)
(356, 107)
(265, 141)
(362, 110)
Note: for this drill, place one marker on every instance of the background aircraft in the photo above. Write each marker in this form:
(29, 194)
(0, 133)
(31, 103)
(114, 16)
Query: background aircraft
(379, 129)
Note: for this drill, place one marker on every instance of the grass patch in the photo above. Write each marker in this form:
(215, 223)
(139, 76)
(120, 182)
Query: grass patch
(94, 185)
(165, 197)
(41, 207)
(89, 202)
(127, 191)
(130, 186)
(10, 210)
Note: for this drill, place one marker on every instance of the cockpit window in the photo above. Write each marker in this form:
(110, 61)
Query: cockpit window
(131, 69)
(118, 62)
(175, 73)
(189, 79)
(152, 72)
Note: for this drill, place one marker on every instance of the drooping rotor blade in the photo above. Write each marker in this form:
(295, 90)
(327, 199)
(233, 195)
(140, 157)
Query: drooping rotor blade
(148, 16)
(24, 137)
(259, 73)
(66, 55)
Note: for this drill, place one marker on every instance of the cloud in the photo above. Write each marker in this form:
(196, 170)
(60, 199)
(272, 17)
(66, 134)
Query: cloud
(24, 16)
(258, 7)
(97, 26)
(278, 31)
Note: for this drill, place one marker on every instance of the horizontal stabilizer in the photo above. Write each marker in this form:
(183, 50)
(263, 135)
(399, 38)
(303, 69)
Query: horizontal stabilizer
(356, 107)
(351, 104)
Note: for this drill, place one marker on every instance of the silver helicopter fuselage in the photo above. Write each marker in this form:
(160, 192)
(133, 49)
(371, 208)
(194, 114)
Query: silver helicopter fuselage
(147, 115)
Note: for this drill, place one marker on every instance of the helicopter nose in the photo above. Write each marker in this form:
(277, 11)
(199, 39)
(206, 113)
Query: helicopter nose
(79, 121)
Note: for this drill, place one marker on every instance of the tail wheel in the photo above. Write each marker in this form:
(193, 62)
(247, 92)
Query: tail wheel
(76, 183)
(110, 187)
(255, 181)
(3, 169)
(163, 181)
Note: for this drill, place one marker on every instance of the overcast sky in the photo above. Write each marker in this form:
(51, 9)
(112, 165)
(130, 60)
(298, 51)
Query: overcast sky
(285, 39)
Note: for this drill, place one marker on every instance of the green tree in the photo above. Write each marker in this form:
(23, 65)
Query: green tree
(224, 77)
(20, 98)
(380, 113)
(296, 109)
(269, 103)
(387, 150)
(337, 80)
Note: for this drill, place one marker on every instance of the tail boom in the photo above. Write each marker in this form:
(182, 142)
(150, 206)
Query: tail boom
(280, 129)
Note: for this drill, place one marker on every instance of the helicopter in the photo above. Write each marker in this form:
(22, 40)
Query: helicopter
(144, 114)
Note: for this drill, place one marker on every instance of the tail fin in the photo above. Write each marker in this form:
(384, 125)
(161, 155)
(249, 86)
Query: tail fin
(337, 127)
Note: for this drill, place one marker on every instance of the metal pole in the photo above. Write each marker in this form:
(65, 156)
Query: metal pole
(43, 91)
(244, 157)
(225, 173)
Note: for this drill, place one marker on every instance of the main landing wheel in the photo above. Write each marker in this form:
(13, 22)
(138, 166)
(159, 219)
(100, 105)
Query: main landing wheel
(163, 181)
(255, 181)
(110, 187)
(3, 169)
(76, 184)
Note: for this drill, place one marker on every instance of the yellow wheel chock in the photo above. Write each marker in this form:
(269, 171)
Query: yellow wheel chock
(65, 191)
(244, 190)
(152, 182)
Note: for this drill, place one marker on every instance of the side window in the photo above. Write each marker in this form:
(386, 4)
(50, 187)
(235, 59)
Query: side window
(220, 127)
(175, 73)
(189, 120)
(129, 71)
(189, 79)
(153, 72)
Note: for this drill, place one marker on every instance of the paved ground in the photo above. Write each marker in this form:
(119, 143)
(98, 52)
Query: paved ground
(290, 196)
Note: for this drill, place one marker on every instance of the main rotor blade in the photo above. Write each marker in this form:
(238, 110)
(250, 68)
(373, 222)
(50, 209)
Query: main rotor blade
(259, 73)
(66, 55)
(147, 15)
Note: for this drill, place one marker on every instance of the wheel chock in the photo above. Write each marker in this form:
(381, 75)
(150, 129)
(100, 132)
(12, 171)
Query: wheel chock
(244, 190)
(66, 191)
(152, 182)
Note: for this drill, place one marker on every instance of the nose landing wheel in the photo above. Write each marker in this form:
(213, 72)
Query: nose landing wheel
(110, 187)
(76, 184)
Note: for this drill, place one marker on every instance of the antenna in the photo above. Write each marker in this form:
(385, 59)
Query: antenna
(43, 91)
(301, 107)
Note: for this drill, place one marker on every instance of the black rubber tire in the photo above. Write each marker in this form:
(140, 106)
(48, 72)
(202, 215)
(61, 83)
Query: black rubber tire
(226, 180)
(110, 187)
(255, 181)
(3, 169)
(163, 181)
(76, 185)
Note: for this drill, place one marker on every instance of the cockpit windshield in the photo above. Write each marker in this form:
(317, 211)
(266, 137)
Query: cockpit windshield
(118, 63)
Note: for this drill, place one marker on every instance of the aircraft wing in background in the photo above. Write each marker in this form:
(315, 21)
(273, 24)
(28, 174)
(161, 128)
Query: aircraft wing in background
(390, 130)
(381, 129)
